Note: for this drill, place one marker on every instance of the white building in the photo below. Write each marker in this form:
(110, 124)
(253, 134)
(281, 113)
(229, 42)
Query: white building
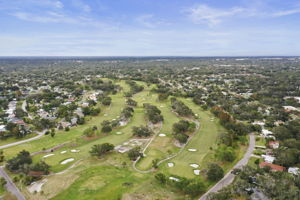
(268, 159)
(294, 170)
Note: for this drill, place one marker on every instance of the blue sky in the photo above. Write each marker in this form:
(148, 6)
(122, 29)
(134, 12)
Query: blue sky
(149, 27)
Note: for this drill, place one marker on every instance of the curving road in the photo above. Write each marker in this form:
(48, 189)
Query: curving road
(10, 186)
(229, 177)
(40, 134)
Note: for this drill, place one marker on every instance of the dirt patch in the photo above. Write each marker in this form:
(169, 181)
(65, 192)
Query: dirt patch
(90, 138)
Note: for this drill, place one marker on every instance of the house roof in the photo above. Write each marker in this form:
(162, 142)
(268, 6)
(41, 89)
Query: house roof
(272, 166)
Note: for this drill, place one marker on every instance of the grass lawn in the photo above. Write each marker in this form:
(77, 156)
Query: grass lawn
(260, 141)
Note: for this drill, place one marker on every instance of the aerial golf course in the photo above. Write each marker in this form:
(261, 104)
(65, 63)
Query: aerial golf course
(75, 174)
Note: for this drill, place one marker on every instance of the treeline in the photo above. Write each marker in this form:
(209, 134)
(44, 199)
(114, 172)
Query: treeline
(153, 113)
(22, 164)
(180, 108)
(271, 185)
(181, 130)
(134, 88)
(288, 154)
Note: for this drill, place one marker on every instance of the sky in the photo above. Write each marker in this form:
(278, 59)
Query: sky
(149, 27)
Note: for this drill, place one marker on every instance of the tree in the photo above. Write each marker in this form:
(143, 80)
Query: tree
(17, 163)
(106, 101)
(41, 167)
(2, 181)
(131, 102)
(1, 156)
(194, 187)
(141, 131)
(155, 163)
(215, 172)
(134, 153)
(52, 133)
(161, 178)
(89, 132)
(101, 149)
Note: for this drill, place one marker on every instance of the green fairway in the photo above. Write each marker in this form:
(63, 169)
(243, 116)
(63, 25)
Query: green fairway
(202, 141)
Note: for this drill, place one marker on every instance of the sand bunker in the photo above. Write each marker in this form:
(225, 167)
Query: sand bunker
(192, 150)
(67, 161)
(162, 135)
(119, 133)
(75, 150)
(174, 179)
(197, 172)
(63, 152)
(170, 164)
(48, 155)
(37, 186)
(194, 165)
(105, 115)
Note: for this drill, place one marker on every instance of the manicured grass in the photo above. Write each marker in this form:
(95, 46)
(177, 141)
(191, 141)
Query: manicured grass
(260, 141)
(252, 160)
(204, 140)
(160, 147)
(104, 182)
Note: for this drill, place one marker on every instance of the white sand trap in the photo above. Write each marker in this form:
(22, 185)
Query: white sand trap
(196, 115)
(194, 165)
(37, 186)
(170, 164)
(48, 155)
(174, 179)
(192, 150)
(119, 133)
(67, 161)
(114, 119)
(162, 135)
(197, 172)
(63, 152)
(75, 150)
(105, 115)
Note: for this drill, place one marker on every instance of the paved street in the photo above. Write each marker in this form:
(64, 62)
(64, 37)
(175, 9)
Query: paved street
(228, 178)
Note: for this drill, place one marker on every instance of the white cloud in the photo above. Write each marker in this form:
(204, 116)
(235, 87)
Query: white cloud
(211, 16)
(286, 12)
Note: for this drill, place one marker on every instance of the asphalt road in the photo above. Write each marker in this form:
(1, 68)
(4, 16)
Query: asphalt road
(10, 186)
(228, 178)
(40, 134)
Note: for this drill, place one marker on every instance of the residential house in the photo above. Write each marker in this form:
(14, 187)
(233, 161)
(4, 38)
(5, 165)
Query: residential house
(272, 166)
